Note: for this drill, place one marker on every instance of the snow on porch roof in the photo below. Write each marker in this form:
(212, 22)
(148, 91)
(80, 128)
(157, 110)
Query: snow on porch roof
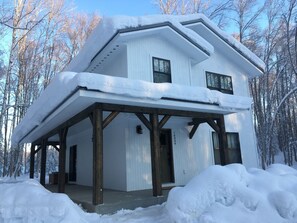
(65, 83)
(109, 27)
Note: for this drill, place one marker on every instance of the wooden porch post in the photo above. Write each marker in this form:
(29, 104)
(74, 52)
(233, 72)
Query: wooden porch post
(155, 155)
(62, 160)
(43, 162)
(32, 161)
(222, 139)
(97, 120)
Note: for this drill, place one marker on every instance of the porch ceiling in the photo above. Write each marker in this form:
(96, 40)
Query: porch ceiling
(84, 98)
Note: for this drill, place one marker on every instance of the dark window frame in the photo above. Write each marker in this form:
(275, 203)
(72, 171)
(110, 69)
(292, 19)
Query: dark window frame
(157, 73)
(230, 148)
(220, 86)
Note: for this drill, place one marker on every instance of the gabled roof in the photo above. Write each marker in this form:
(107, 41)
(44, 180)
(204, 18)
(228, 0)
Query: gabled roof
(187, 29)
(110, 30)
(202, 25)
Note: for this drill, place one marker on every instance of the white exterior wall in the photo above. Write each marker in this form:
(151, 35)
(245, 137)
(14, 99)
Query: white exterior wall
(114, 164)
(141, 52)
(138, 155)
(116, 66)
(240, 122)
(190, 156)
(83, 140)
(114, 152)
(127, 158)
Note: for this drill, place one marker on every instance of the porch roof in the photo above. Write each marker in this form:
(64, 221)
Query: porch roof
(70, 93)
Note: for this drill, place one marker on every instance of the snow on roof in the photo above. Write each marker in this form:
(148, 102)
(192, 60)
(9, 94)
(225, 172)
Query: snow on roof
(192, 19)
(65, 83)
(110, 26)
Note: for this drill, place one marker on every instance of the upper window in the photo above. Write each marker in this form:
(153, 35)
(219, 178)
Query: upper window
(220, 82)
(232, 152)
(161, 70)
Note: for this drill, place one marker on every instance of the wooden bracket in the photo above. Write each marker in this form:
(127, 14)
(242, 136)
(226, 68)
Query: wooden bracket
(144, 120)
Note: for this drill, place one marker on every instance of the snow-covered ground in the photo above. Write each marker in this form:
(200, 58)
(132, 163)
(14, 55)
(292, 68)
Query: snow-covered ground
(218, 195)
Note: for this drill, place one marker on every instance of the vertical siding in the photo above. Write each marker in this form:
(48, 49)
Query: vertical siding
(114, 155)
(114, 165)
(117, 66)
(141, 51)
(219, 64)
(84, 165)
(190, 156)
(138, 156)
(242, 123)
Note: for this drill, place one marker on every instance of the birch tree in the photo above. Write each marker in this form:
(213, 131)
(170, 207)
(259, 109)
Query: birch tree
(39, 31)
(213, 9)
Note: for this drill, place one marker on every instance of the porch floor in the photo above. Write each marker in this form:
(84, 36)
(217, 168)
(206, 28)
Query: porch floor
(113, 200)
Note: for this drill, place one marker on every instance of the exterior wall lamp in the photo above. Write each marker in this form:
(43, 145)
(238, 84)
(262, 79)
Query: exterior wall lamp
(139, 129)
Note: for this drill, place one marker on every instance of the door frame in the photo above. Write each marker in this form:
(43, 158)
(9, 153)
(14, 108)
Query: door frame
(168, 133)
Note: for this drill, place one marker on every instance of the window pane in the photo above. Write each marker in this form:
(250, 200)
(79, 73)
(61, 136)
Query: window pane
(219, 82)
(156, 65)
(232, 153)
(161, 78)
(167, 67)
(161, 67)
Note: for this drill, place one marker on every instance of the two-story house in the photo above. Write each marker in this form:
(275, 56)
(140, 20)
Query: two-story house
(149, 102)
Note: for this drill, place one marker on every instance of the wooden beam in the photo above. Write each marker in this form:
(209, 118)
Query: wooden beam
(155, 155)
(62, 160)
(55, 147)
(213, 125)
(222, 139)
(193, 130)
(164, 121)
(43, 162)
(144, 120)
(97, 156)
(32, 160)
(37, 150)
(127, 109)
(109, 118)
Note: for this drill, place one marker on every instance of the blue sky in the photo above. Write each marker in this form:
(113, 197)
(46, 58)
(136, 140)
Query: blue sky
(118, 7)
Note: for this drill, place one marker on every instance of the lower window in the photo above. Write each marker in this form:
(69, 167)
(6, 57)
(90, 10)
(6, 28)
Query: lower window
(232, 153)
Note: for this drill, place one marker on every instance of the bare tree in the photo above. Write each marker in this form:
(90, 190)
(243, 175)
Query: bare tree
(40, 32)
(215, 9)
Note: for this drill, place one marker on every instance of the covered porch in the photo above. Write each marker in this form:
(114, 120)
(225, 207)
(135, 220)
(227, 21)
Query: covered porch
(153, 118)
(113, 200)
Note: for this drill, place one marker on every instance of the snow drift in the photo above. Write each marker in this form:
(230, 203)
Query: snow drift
(229, 194)
(28, 201)
(233, 194)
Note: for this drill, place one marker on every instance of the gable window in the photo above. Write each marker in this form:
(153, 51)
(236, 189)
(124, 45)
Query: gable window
(220, 82)
(161, 70)
(232, 153)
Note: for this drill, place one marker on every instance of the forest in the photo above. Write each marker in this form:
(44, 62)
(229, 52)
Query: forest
(40, 37)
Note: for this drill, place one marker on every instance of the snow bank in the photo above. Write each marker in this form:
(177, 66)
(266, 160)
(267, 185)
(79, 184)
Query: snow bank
(28, 201)
(229, 194)
(233, 194)
(65, 83)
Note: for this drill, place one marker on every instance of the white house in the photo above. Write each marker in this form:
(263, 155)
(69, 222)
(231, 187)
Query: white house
(148, 103)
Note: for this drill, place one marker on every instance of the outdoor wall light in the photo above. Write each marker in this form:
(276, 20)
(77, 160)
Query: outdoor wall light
(139, 129)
